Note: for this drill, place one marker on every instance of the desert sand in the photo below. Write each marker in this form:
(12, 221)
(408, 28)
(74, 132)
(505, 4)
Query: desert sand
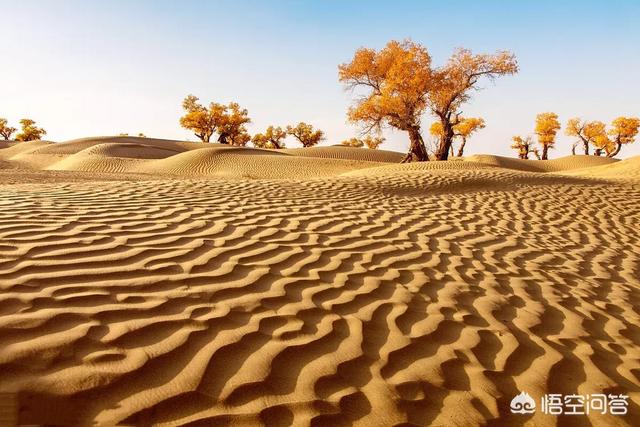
(156, 282)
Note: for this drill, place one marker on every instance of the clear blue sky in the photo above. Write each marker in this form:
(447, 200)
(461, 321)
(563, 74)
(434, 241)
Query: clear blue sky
(84, 68)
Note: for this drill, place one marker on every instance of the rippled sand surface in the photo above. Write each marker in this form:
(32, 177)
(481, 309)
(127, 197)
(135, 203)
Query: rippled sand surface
(158, 282)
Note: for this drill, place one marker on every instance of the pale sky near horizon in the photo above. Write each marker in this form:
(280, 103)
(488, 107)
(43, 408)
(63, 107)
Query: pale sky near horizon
(87, 68)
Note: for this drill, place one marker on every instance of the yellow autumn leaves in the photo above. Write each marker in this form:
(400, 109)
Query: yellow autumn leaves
(399, 84)
(228, 122)
(396, 86)
(369, 141)
(29, 131)
(623, 130)
(462, 130)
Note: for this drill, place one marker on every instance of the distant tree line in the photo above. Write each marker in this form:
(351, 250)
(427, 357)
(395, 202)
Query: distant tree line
(228, 123)
(369, 141)
(29, 131)
(590, 134)
(396, 86)
(400, 85)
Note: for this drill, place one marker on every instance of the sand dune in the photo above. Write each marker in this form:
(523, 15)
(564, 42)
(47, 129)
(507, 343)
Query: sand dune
(110, 157)
(155, 284)
(122, 154)
(250, 163)
(346, 153)
(396, 168)
(14, 149)
(19, 155)
(76, 145)
(227, 162)
(554, 165)
(625, 170)
(44, 155)
(131, 151)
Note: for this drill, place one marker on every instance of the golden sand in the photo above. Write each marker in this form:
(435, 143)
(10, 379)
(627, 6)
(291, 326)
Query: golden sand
(161, 282)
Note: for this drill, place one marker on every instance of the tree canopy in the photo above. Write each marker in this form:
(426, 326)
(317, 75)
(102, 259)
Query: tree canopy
(273, 137)
(396, 80)
(305, 133)
(373, 142)
(353, 142)
(455, 82)
(547, 126)
(399, 84)
(623, 131)
(5, 130)
(369, 141)
(523, 145)
(228, 121)
(587, 132)
(29, 131)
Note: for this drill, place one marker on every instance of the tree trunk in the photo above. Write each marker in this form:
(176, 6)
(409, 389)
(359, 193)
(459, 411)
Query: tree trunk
(205, 135)
(573, 149)
(597, 152)
(545, 152)
(586, 147)
(461, 149)
(417, 150)
(616, 151)
(446, 140)
(223, 138)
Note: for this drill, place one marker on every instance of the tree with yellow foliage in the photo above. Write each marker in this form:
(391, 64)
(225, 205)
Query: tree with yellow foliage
(623, 131)
(5, 130)
(463, 129)
(454, 82)
(587, 132)
(232, 129)
(305, 133)
(226, 120)
(523, 145)
(201, 120)
(369, 141)
(30, 132)
(240, 138)
(373, 142)
(437, 131)
(397, 79)
(401, 84)
(602, 143)
(353, 142)
(547, 126)
(272, 138)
